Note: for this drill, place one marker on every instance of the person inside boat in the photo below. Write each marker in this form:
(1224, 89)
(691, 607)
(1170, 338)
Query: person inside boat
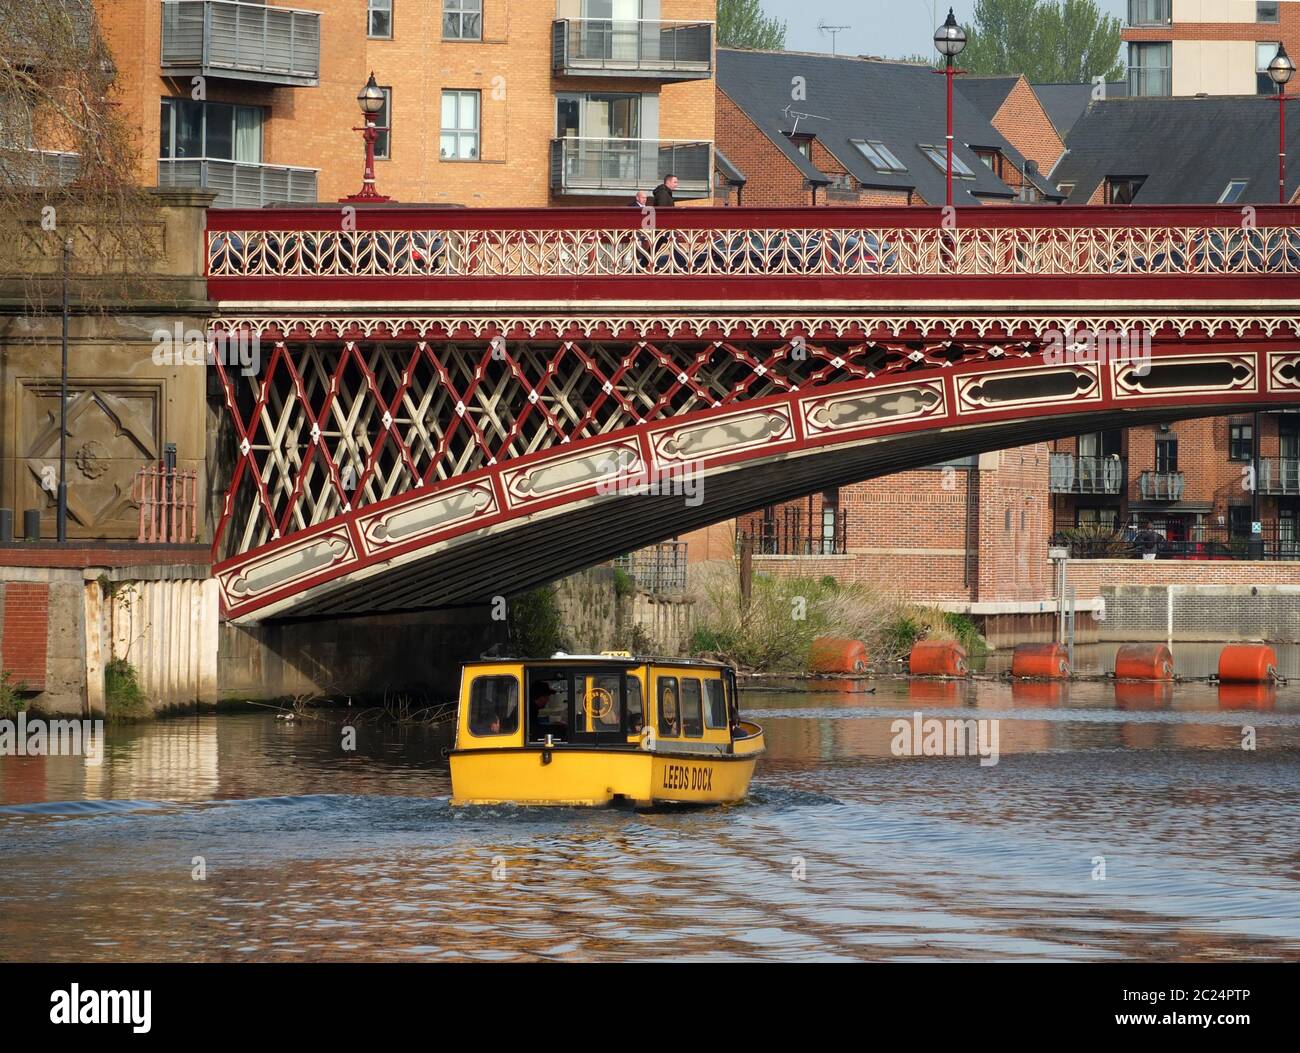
(545, 719)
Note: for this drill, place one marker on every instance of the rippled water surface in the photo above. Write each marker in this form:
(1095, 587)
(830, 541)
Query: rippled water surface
(843, 851)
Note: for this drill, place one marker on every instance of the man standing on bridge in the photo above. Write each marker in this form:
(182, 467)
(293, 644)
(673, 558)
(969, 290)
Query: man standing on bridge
(663, 196)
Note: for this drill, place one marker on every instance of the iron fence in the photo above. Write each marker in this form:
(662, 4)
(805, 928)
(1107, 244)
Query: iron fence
(658, 568)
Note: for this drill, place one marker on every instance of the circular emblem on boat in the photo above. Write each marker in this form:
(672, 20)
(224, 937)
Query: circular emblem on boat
(600, 702)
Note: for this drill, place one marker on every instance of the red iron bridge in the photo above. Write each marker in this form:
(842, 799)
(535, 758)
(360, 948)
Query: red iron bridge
(448, 401)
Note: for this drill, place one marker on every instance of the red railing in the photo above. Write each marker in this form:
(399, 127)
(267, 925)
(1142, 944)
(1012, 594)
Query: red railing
(168, 499)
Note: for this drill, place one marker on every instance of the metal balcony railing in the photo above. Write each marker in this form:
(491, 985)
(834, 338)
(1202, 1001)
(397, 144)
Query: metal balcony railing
(1161, 486)
(622, 166)
(1279, 475)
(1086, 475)
(240, 185)
(241, 41)
(662, 50)
(1150, 12)
(1150, 80)
(38, 168)
(658, 568)
(786, 531)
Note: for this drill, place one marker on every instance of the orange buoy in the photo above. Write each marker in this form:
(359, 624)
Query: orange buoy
(1144, 662)
(937, 658)
(832, 655)
(1247, 664)
(1247, 696)
(1044, 661)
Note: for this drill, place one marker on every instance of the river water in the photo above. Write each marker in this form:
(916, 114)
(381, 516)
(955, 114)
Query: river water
(1117, 824)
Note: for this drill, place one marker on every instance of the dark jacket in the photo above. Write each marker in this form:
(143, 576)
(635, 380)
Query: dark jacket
(663, 197)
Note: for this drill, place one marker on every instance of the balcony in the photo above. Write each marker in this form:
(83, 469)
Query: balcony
(663, 51)
(38, 168)
(1280, 476)
(1161, 486)
(1086, 475)
(659, 568)
(1149, 80)
(618, 167)
(240, 41)
(238, 184)
(1150, 12)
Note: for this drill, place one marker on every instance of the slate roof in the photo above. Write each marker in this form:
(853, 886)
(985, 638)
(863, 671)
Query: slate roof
(1065, 103)
(900, 104)
(1188, 148)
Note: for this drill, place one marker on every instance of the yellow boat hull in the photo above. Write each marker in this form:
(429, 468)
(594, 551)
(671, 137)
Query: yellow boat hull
(592, 777)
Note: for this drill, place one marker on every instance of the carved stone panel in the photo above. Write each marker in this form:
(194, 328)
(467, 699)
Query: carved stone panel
(114, 429)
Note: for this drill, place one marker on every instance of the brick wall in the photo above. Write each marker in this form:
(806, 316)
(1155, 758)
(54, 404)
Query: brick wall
(24, 633)
(1024, 122)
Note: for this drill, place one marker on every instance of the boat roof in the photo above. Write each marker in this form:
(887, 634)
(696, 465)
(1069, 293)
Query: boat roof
(599, 659)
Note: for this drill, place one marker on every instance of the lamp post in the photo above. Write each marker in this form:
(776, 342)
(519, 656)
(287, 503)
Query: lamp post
(1280, 71)
(950, 39)
(371, 98)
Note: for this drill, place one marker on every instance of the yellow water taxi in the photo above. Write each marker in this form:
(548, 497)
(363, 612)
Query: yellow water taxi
(601, 729)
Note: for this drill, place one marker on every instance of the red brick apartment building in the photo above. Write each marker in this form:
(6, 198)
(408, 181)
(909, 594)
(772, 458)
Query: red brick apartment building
(1207, 47)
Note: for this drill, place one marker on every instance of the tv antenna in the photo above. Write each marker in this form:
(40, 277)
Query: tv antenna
(796, 116)
(822, 27)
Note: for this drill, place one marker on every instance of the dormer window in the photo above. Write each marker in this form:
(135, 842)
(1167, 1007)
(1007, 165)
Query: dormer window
(1121, 190)
(803, 143)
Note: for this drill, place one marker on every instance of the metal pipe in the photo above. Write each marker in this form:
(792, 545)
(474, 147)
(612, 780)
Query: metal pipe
(62, 514)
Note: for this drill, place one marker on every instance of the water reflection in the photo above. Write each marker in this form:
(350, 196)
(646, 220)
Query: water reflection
(314, 853)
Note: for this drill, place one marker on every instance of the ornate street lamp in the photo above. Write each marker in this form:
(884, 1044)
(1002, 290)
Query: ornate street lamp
(371, 98)
(1280, 71)
(950, 39)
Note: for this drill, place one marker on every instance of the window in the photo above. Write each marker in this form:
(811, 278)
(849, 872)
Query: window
(635, 710)
(715, 704)
(939, 155)
(1029, 194)
(1239, 521)
(598, 115)
(1266, 11)
(1265, 52)
(462, 19)
(460, 126)
(830, 522)
(214, 130)
(990, 159)
(384, 121)
(1241, 442)
(1233, 191)
(1166, 456)
(1149, 68)
(692, 708)
(494, 706)
(669, 718)
(881, 157)
(803, 143)
(379, 19)
(842, 181)
(1121, 190)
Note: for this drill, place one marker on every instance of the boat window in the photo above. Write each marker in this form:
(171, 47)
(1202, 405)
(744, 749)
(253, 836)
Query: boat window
(548, 705)
(494, 706)
(635, 711)
(669, 723)
(692, 710)
(599, 706)
(715, 704)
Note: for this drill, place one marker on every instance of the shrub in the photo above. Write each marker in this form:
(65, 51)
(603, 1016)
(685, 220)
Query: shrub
(11, 700)
(124, 700)
(536, 624)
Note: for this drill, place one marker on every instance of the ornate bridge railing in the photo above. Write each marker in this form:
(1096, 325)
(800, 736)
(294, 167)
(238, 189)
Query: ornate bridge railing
(570, 243)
